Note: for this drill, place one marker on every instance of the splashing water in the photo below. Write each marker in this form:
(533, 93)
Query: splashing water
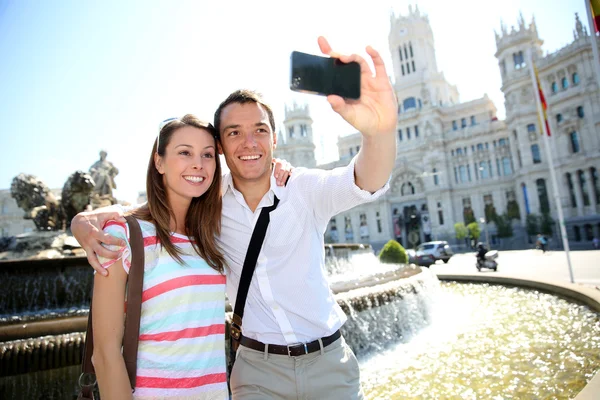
(492, 342)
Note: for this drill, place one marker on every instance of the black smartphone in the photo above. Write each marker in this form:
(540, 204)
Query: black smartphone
(324, 76)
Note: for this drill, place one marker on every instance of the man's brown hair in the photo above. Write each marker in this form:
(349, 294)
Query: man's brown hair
(243, 96)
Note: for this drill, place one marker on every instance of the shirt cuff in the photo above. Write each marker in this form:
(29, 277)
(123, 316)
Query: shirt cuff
(361, 193)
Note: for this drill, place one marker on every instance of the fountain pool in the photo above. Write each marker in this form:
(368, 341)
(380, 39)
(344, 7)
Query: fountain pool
(493, 342)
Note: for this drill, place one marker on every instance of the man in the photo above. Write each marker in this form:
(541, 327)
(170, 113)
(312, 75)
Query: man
(290, 307)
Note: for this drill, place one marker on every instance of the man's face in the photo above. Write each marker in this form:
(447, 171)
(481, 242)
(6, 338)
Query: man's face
(247, 141)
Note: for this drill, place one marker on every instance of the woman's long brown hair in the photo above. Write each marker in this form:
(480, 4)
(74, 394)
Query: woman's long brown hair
(203, 218)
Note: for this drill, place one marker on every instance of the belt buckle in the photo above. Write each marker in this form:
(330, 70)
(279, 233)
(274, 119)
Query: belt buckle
(299, 345)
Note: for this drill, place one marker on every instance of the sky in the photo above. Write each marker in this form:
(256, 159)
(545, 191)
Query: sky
(80, 76)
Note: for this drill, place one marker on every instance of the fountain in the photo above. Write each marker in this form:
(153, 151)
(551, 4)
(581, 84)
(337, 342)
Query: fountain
(413, 335)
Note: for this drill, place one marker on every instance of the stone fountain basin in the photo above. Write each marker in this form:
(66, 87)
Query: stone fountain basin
(576, 292)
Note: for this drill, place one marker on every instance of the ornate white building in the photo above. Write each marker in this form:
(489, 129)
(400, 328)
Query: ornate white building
(457, 160)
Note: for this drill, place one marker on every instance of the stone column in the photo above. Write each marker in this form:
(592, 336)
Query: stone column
(578, 193)
(590, 185)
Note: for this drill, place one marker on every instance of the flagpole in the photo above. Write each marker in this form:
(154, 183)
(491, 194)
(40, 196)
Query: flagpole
(561, 219)
(593, 39)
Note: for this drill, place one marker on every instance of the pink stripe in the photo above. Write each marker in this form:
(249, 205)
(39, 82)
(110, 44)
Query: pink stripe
(181, 282)
(179, 383)
(152, 240)
(187, 333)
(111, 223)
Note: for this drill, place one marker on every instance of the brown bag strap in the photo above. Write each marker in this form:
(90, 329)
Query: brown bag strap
(131, 335)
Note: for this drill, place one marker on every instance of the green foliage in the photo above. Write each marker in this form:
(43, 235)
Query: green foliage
(468, 215)
(504, 226)
(393, 253)
(490, 213)
(512, 210)
(474, 230)
(532, 223)
(461, 230)
(546, 224)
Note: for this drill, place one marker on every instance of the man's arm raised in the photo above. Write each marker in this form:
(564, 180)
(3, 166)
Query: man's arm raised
(87, 229)
(375, 115)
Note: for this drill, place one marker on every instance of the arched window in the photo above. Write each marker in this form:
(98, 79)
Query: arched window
(436, 180)
(506, 166)
(554, 87)
(589, 232)
(407, 188)
(577, 233)
(571, 190)
(543, 196)
(580, 112)
(595, 185)
(559, 118)
(584, 188)
(409, 103)
(575, 78)
(564, 82)
(484, 171)
(462, 171)
(535, 154)
(574, 142)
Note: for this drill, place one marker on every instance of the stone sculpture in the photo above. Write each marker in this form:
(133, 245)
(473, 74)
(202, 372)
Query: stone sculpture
(103, 173)
(38, 202)
(76, 195)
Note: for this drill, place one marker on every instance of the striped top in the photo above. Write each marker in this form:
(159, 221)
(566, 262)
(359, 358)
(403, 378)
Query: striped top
(181, 353)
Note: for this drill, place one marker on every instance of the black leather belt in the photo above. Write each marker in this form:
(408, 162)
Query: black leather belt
(293, 350)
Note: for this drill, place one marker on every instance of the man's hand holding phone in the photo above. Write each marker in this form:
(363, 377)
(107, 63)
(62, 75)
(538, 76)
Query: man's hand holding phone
(376, 111)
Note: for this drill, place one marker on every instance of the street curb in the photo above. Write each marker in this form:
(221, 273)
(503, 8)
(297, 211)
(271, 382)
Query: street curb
(576, 292)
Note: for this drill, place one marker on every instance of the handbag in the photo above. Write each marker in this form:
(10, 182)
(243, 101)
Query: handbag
(256, 242)
(135, 280)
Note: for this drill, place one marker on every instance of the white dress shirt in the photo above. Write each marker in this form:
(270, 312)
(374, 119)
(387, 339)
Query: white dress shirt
(289, 300)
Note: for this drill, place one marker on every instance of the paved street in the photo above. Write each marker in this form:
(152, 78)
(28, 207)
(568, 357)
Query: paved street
(532, 264)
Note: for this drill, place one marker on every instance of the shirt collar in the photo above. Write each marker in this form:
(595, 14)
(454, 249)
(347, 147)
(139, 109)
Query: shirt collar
(227, 185)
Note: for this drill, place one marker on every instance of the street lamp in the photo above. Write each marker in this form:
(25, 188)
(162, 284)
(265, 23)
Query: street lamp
(487, 236)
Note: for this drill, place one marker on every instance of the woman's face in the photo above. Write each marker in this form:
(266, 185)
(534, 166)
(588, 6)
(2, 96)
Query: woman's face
(189, 163)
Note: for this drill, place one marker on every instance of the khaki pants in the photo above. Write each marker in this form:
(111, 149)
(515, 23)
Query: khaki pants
(331, 373)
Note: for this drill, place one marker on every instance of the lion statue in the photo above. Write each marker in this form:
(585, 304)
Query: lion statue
(38, 202)
(76, 195)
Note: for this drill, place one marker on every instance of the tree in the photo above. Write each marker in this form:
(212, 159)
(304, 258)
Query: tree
(474, 230)
(468, 215)
(532, 223)
(461, 230)
(512, 210)
(490, 213)
(546, 224)
(393, 253)
(504, 226)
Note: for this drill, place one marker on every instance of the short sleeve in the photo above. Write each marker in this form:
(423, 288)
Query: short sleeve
(121, 231)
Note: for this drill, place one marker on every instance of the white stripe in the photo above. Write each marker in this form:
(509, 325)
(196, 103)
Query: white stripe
(182, 355)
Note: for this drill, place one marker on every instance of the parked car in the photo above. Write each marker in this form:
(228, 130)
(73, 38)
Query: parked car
(440, 250)
(423, 259)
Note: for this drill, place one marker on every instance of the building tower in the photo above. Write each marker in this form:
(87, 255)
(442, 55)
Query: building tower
(299, 148)
(418, 82)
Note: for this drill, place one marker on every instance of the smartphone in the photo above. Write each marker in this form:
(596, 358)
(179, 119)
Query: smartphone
(324, 76)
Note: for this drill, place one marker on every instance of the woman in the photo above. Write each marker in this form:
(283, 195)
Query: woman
(181, 351)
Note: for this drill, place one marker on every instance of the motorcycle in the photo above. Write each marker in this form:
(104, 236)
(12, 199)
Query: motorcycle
(489, 261)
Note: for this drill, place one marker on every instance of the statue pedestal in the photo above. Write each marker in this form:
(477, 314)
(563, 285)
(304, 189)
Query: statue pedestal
(42, 245)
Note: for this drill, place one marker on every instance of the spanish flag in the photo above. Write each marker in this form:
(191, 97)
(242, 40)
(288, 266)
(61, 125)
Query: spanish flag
(543, 99)
(595, 8)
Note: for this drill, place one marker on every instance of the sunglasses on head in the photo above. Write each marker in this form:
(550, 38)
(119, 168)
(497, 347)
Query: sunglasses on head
(172, 119)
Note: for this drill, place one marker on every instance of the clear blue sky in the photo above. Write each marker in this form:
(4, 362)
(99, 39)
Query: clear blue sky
(80, 76)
